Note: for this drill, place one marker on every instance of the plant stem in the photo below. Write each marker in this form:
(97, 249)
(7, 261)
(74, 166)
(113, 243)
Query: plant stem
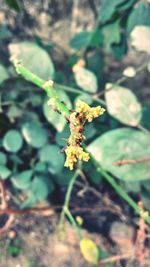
(65, 209)
(121, 192)
(48, 87)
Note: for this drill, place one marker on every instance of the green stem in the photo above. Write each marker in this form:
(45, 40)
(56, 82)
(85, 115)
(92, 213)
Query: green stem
(121, 192)
(48, 87)
(67, 199)
(73, 222)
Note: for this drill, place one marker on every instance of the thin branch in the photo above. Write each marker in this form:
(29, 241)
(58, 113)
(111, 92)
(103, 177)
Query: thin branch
(131, 161)
(114, 259)
(7, 225)
(124, 78)
(3, 196)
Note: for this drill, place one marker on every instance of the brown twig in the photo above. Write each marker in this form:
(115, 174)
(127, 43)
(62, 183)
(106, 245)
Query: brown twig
(114, 259)
(131, 161)
(7, 225)
(3, 195)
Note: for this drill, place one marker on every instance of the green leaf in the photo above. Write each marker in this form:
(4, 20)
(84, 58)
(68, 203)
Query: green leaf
(86, 79)
(35, 58)
(61, 137)
(140, 15)
(4, 172)
(81, 40)
(12, 141)
(84, 97)
(40, 167)
(111, 34)
(41, 186)
(140, 38)
(3, 74)
(145, 121)
(22, 180)
(34, 134)
(123, 144)
(52, 155)
(3, 158)
(89, 250)
(123, 105)
(57, 120)
(14, 4)
(108, 8)
(4, 33)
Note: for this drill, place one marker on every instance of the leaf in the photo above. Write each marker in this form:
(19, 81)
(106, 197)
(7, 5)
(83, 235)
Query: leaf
(108, 8)
(4, 172)
(4, 33)
(86, 79)
(34, 134)
(61, 137)
(51, 154)
(3, 74)
(140, 38)
(81, 40)
(140, 15)
(57, 120)
(41, 186)
(40, 167)
(111, 34)
(123, 105)
(13, 4)
(22, 180)
(12, 141)
(3, 158)
(89, 250)
(35, 58)
(145, 121)
(84, 39)
(123, 144)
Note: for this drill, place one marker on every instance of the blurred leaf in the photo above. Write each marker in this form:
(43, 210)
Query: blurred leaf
(57, 120)
(86, 80)
(148, 67)
(61, 137)
(140, 15)
(40, 167)
(4, 33)
(81, 40)
(85, 97)
(32, 57)
(107, 10)
(41, 186)
(123, 105)
(123, 144)
(53, 156)
(145, 194)
(64, 177)
(89, 250)
(145, 121)
(22, 180)
(4, 172)
(3, 74)
(140, 38)
(121, 48)
(34, 134)
(14, 4)
(111, 34)
(89, 131)
(3, 158)
(12, 141)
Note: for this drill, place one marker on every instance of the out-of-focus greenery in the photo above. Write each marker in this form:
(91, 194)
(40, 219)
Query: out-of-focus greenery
(32, 134)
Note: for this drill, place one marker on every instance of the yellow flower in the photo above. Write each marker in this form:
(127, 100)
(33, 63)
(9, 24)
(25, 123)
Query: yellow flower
(78, 118)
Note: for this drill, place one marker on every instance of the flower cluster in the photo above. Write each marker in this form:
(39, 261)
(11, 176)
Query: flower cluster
(82, 114)
(73, 153)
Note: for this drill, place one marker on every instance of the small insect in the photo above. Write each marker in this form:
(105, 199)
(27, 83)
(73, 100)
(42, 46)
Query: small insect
(55, 109)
